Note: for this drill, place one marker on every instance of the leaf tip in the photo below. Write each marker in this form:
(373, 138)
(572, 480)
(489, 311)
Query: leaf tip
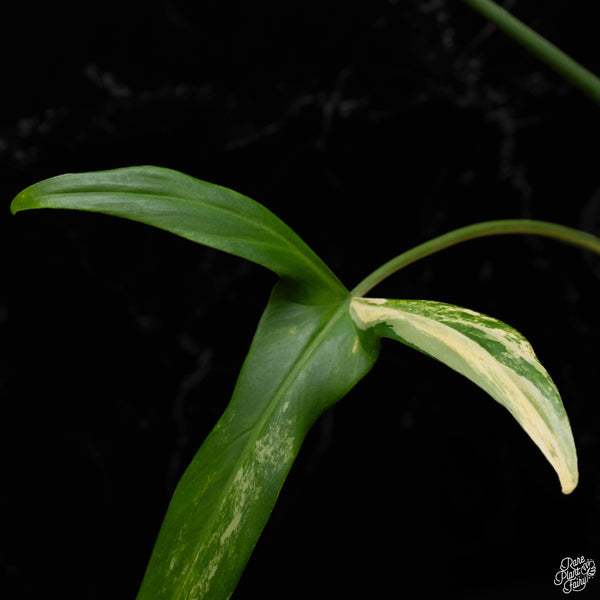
(564, 461)
(24, 200)
(17, 204)
(568, 481)
(558, 446)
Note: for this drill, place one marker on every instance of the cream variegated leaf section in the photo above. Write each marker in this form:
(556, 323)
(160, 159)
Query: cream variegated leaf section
(491, 354)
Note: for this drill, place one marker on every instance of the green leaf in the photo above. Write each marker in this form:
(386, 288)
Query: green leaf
(196, 210)
(491, 354)
(314, 342)
(302, 360)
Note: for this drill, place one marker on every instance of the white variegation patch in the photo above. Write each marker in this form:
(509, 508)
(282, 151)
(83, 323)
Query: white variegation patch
(491, 354)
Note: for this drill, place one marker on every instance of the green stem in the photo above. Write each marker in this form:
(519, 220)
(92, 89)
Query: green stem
(471, 232)
(548, 53)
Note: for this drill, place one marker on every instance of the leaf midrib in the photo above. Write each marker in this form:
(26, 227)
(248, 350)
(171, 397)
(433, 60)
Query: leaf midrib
(256, 430)
(298, 248)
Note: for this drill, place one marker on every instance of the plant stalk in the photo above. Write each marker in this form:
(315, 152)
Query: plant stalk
(547, 52)
(561, 233)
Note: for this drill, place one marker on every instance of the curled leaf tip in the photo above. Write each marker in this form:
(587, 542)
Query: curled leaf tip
(568, 481)
(15, 205)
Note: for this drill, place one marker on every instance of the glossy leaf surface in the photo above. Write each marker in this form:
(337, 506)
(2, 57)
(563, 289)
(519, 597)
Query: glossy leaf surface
(314, 342)
(302, 360)
(491, 354)
(203, 212)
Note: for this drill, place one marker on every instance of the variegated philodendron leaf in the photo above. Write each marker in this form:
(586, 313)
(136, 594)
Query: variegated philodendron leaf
(491, 354)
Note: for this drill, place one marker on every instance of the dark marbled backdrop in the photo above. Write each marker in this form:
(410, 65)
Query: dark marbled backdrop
(369, 127)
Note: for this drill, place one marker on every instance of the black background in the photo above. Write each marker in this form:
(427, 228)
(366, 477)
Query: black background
(369, 127)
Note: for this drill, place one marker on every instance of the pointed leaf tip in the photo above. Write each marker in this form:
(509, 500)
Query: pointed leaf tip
(491, 354)
(196, 210)
(19, 203)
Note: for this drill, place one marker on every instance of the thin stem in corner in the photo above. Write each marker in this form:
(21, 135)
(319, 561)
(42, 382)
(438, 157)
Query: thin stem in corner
(548, 53)
(471, 232)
